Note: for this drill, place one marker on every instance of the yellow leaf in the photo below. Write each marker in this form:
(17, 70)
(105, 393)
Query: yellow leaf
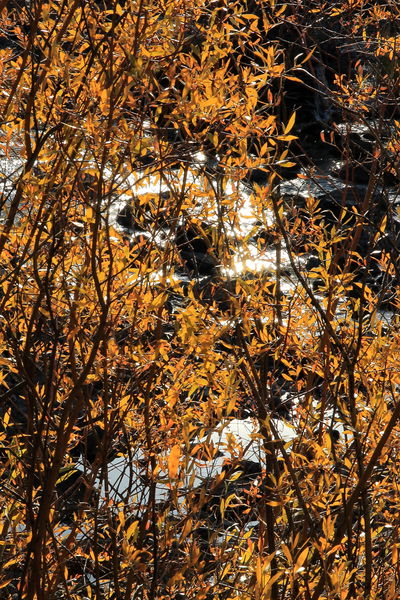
(286, 138)
(287, 164)
(4, 583)
(186, 530)
(259, 570)
(226, 570)
(287, 553)
(301, 559)
(121, 518)
(309, 55)
(290, 124)
(132, 531)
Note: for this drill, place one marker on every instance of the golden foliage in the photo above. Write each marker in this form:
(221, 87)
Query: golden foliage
(142, 349)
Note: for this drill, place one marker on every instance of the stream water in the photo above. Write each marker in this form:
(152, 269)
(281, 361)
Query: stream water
(325, 181)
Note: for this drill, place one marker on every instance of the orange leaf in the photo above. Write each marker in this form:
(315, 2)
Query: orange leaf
(173, 461)
(301, 559)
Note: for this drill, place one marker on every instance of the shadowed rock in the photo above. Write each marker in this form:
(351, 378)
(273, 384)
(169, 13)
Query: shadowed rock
(193, 249)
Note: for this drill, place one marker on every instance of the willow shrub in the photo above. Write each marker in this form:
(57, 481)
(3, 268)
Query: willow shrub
(108, 352)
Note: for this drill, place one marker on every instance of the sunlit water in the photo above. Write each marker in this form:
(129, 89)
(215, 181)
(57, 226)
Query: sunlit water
(124, 478)
(232, 436)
